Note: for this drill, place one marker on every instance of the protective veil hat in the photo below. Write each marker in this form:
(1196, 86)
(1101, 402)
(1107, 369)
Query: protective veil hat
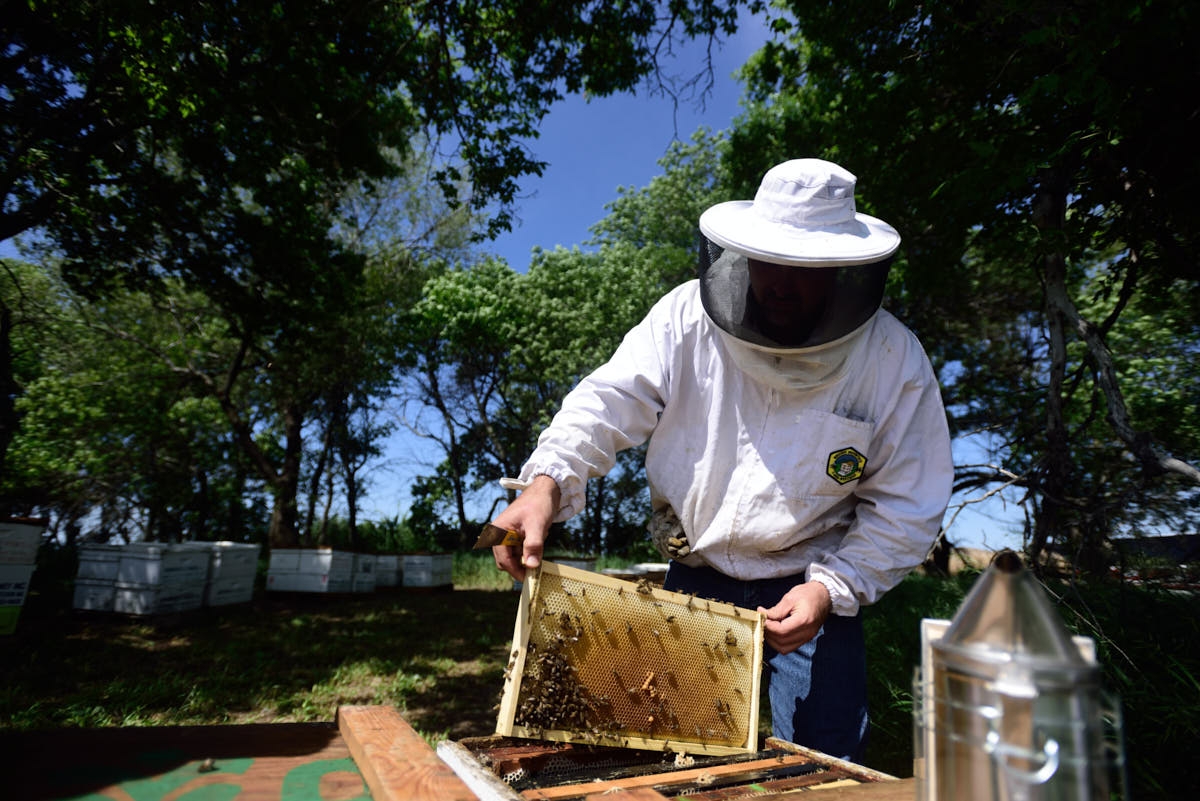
(804, 215)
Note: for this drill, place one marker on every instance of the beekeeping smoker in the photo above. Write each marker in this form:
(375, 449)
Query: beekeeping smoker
(798, 458)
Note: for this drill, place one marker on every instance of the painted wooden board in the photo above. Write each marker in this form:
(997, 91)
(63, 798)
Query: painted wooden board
(258, 762)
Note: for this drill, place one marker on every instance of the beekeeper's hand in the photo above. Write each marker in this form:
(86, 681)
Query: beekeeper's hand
(531, 514)
(797, 617)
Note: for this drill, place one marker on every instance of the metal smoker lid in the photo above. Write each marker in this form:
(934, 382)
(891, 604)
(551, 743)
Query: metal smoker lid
(1008, 621)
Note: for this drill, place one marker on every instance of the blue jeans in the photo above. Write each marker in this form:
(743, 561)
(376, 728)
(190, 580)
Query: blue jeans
(818, 693)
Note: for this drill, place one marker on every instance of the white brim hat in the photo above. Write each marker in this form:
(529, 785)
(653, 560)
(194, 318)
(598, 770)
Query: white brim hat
(802, 215)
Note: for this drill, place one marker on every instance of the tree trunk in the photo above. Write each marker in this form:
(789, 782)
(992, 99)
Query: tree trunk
(1048, 216)
(314, 483)
(351, 479)
(283, 532)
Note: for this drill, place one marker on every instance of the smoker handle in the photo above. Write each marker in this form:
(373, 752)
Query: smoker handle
(994, 745)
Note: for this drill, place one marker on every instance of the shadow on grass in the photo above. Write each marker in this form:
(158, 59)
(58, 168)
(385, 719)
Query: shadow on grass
(437, 655)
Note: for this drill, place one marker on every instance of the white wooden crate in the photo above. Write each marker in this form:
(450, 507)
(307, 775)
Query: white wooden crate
(428, 570)
(155, 599)
(387, 570)
(94, 595)
(152, 563)
(229, 590)
(14, 583)
(19, 542)
(228, 559)
(98, 562)
(290, 581)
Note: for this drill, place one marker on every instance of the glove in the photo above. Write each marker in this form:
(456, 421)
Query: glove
(666, 532)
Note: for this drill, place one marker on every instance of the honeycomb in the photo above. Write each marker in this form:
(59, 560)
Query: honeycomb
(603, 661)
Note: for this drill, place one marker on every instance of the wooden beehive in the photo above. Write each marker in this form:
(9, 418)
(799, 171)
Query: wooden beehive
(603, 661)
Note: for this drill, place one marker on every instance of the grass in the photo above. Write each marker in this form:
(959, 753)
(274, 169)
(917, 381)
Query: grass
(439, 657)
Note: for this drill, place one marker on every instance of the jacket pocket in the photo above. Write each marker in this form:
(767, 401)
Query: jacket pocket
(815, 454)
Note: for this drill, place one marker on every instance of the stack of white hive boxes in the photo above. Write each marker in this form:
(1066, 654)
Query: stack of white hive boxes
(364, 577)
(96, 578)
(231, 570)
(145, 578)
(387, 570)
(428, 570)
(321, 570)
(18, 557)
(310, 570)
(156, 578)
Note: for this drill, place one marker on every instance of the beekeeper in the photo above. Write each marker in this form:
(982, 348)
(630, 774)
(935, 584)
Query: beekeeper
(799, 457)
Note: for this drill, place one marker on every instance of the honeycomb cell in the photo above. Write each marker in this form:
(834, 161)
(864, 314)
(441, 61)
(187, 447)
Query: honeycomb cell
(611, 662)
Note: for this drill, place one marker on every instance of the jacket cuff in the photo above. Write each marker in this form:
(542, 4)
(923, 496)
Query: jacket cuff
(571, 490)
(845, 603)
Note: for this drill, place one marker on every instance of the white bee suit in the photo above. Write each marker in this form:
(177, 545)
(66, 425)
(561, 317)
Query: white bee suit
(845, 481)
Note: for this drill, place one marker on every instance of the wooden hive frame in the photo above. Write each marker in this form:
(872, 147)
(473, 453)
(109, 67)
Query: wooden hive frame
(603, 661)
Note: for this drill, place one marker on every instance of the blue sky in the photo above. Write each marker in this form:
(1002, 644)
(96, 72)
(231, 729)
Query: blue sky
(595, 147)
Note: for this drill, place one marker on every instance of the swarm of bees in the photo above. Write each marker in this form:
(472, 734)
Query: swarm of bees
(553, 697)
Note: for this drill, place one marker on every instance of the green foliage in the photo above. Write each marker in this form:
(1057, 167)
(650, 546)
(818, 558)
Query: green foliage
(111, 424)
(218, 150)
(1147, 642)
(1047, 221)
(494, 351)
(476, 570)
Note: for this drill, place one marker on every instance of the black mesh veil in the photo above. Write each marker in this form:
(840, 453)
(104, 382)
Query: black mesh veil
(852, 298)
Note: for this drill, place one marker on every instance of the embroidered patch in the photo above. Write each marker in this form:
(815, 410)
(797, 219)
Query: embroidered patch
(845, 465)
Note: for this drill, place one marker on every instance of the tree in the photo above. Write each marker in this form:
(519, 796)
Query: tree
(1037, 162)
(113, 433)
(494, 352)
(211, 143)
